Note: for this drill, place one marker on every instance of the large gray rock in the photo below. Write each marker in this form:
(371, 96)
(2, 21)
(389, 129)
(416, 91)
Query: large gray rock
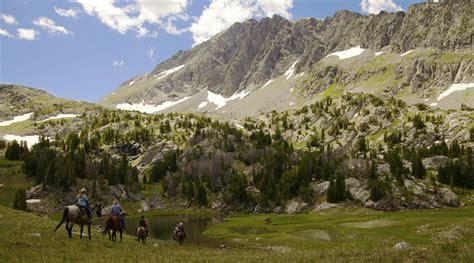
(294, 206)
(433, 163)
(402, 246)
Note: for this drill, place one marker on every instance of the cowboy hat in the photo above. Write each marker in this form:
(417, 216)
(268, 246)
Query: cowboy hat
(83, 190)
(115, 201)
(181, 223)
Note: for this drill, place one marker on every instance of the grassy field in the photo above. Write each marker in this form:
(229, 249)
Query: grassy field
(436, 236)
(351, 234)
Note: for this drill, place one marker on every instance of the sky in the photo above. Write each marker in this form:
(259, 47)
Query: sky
(84, 49)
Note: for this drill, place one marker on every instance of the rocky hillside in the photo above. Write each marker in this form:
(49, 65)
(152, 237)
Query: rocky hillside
(389, 156)
(235, 65)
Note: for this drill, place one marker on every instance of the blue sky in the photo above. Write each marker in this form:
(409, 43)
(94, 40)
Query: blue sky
(84, 49)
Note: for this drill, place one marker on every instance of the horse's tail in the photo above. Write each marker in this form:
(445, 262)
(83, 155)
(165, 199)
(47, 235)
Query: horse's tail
(65, 214)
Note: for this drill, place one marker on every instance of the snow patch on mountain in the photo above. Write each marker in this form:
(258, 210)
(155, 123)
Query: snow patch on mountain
(406, 53)
(61, 116)
(378, 53)
(299, 75)
(266, 84)
(220, 101)
(202, 104)
(149, 108)
(291, 70)
(168, 72)
(16, 119)
(454, 88)
(349, 53)
(30, 139)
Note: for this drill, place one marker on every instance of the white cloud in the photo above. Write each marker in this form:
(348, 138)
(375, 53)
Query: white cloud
(150, 53)
(66, 12)
(4, 33)
(375, 6)
(51, 27)
(221, 14)
(8, 19)
(279, 7)
(118, 63)
(27, 33)
(134, 16)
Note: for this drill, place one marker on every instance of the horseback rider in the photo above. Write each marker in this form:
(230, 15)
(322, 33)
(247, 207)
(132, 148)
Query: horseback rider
(179, 228)
(83, 203)
(116, 210)
(143, 222)
(176, 229)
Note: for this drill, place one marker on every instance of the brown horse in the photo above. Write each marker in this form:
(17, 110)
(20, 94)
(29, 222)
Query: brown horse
(179, 237)
(114, 226)
(72, 214)
(141, 234)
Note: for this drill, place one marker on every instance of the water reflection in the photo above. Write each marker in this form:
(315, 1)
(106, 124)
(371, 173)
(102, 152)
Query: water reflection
(161, 227)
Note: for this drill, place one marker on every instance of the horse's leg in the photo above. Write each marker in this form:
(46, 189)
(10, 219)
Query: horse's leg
(89, 231)
(69, 229)
(82, 228)
(120, 235)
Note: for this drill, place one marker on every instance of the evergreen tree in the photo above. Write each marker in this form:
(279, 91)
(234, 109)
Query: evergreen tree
(417, 168)
(13, 152)
(373, 170)
(201, 194)
(340, 188)
(20, 200)
(331, 192)
(377, 190)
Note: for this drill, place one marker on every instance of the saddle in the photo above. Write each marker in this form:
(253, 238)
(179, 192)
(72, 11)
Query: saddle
(83, 211)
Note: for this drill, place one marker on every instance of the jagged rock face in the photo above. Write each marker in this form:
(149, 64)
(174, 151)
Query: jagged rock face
(248, 54)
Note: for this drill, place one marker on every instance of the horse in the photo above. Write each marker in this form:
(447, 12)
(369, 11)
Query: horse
(141, 234)
(115, 225)
(72, 214)
(180, 236)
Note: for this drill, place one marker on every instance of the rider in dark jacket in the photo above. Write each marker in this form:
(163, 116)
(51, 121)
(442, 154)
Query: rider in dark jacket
(143, 222)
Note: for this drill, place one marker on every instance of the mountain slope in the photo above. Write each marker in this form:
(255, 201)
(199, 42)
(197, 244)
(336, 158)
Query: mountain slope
(248, 55)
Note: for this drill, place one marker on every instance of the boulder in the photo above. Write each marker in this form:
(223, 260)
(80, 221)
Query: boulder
(34, 191)
(294, 206)
(402, 246)
(325, 205)
(320, 189)
(448, 197)
(145, 206)
(433, 163)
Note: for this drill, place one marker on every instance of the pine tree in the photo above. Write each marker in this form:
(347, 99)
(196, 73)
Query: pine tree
(340, 188)
(20, 200)
(331, 192)
(201, 194)
(373, 170)
(417, 168)
(13, 152)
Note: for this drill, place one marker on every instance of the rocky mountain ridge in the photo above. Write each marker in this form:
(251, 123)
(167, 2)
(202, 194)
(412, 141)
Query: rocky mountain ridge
(248, 55)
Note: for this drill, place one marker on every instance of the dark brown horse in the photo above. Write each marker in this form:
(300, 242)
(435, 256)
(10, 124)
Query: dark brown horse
(114, 226)
(72, 214)
(179, 237)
